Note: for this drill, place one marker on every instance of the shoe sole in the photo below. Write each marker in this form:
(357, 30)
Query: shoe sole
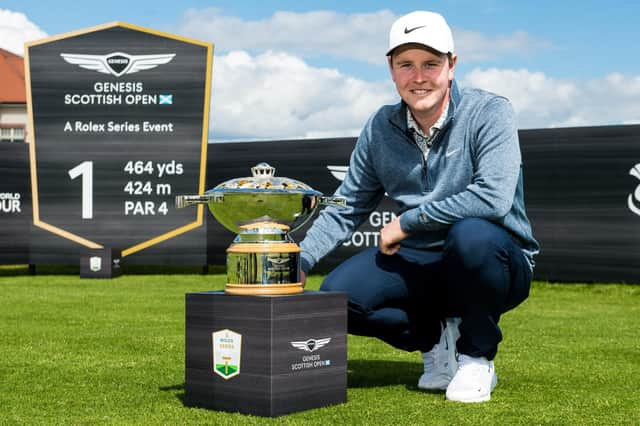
(440, 385)
(433, 388)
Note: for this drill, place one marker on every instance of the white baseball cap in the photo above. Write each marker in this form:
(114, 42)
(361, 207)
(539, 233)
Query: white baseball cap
(427, 28)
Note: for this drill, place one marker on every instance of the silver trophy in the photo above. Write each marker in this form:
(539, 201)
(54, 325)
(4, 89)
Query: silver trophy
(262, 209)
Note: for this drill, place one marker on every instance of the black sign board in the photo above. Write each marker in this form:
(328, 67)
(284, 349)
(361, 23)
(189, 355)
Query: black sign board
(120, 125)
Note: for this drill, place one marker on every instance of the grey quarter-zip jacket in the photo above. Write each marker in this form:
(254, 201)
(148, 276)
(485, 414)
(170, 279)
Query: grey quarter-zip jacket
(474, 169)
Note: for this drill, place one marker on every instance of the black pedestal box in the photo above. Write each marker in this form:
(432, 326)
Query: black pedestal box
(100, 263)
(266, 355)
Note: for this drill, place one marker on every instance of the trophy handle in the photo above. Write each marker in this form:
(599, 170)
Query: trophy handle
(334, 201)
(190, 200)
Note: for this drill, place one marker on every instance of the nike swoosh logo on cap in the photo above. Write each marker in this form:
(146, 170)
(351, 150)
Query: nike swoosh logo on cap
(408, 30)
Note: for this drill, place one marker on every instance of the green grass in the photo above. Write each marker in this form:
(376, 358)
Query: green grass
(78, 351)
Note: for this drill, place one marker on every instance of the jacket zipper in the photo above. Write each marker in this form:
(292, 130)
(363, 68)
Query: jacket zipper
(425, 156)
(412, 142)
(434, 141)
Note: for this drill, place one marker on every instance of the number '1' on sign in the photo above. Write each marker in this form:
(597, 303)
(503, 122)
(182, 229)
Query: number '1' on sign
(85, 169)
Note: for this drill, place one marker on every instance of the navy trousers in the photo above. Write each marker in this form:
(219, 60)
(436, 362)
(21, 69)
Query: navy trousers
(479, 274)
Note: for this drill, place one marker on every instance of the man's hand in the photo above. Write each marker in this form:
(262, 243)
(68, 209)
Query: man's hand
(390, 237)
(303, 278)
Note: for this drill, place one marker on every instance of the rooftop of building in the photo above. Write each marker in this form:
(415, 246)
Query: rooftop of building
(12, 85)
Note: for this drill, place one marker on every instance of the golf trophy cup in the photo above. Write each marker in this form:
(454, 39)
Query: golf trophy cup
(262, 210)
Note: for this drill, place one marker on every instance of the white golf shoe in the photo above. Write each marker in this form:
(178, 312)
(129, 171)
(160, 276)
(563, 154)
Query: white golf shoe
(474, 380)
(440, 362)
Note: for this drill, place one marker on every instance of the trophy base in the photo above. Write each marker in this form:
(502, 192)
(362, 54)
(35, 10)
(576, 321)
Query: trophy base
(268, 264)
(264, 290)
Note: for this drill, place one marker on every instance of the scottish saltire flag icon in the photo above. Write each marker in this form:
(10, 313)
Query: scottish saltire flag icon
(166, 99)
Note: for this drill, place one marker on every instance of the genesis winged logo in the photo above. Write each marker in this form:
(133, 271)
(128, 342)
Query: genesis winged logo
(635, 171)
(311, 344)
(338, 172)
(117, 63)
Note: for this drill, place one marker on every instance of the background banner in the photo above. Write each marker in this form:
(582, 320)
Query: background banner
(582, 192)
(584, 201)
(15, 203)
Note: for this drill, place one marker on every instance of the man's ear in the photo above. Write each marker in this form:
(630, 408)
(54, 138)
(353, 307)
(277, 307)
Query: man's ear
(452, 66)
(390, 63)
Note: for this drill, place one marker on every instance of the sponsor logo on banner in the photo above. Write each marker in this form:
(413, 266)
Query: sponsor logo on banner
(117, 63)
(227, 348)
(634, 206)
(95, 263)
(10, 202)
(338, 172)
(377, 219)
(311, 360)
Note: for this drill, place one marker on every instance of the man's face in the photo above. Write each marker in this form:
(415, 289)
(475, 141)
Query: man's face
(422, 78)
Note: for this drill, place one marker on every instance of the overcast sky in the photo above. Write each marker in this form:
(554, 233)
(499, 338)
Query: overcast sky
(288, 69)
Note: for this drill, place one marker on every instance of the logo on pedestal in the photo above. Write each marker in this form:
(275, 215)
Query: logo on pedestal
(311, 344)
(95, 263)
(227, 347)
(311, 360)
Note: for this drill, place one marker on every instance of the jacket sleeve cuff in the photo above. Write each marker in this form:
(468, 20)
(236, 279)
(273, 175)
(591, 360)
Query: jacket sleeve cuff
(411, 221)
(417, 220)
(306, 263)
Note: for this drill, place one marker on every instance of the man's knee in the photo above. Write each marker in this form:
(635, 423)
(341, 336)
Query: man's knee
(356, 313)
(469, 242)
(349, 274)
(334, 282)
